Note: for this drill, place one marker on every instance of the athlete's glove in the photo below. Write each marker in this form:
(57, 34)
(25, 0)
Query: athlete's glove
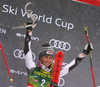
(53, 84)
(88, 48)
(29, 29)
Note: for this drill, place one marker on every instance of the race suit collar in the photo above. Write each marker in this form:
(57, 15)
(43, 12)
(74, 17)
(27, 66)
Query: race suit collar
(45, 68)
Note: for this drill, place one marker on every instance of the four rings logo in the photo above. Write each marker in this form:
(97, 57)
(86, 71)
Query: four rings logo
(60, 44)
(20, 54)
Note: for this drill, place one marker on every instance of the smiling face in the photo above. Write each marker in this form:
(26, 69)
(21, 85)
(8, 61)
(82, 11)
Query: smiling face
(47, 60)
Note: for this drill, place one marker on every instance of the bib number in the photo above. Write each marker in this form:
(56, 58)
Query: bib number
(43, 81)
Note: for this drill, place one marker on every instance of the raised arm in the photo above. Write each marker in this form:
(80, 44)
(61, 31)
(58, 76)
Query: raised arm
(27, 49)
(30, 64)
(77, 60)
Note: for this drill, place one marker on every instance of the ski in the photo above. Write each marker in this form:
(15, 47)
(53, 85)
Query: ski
(57, 67)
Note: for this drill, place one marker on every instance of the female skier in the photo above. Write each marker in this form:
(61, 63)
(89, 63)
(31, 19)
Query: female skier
(40, 73)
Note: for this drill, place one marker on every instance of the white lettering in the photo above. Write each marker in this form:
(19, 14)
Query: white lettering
(5, 8)
(56, 21)
(70, 26)
(9, 9)
(32, 38)
(16, 11)
(40, 18)
(18, 72)
(64, 24)
(43, 18)
(3, 31)
(61, 23)
(49, 20)
(23, 13)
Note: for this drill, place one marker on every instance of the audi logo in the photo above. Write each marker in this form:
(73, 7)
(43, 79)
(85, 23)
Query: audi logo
(20, 54)
(60, 44)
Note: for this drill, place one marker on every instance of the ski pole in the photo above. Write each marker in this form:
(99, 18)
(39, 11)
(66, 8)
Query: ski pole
(86, 32)
(11, 80)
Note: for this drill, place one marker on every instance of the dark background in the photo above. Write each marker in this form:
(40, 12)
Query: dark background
(70, 12)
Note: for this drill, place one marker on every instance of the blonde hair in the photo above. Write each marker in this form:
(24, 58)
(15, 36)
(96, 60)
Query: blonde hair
(51, 72)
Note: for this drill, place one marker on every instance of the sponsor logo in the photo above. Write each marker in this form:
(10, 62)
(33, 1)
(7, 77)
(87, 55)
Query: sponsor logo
(18, 72)
(49, 52)
(34, 80)
(23, 35)
(20, 54)
(60, 44)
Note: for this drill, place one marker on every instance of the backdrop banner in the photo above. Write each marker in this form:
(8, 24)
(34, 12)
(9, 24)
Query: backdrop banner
(59, 22)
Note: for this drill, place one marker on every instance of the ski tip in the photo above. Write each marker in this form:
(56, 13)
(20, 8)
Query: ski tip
(60, 54)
